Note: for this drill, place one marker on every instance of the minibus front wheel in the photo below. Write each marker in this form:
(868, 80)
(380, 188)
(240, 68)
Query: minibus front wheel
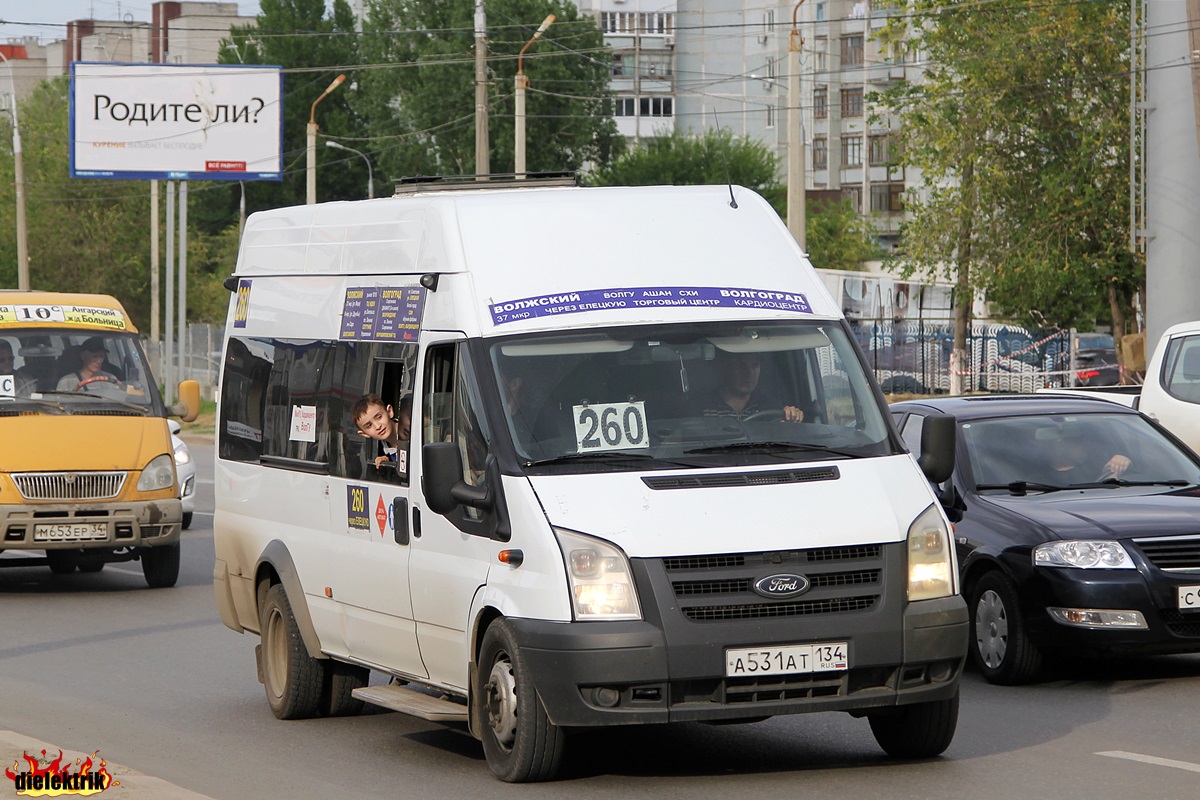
(520, 742)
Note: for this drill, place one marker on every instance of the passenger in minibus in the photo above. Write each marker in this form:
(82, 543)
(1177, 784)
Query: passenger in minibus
(376, 420)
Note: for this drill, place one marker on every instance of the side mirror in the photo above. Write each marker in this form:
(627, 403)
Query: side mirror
(442, 482)
(937, 447)
(188, 407)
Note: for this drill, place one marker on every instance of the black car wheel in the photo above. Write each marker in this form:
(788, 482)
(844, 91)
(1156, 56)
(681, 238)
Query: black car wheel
(1001, 646)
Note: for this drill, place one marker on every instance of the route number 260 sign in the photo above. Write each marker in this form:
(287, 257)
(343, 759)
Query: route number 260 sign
(610, 426)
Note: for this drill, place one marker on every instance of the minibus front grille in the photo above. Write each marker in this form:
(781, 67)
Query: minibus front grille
(774, 558)
(755, 478)
(856, 578)
(69, 485)
(768, 610)
(722, 587)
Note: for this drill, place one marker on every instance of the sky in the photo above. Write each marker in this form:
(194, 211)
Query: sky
(49, 17)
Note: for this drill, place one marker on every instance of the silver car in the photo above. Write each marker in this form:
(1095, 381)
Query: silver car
(185, 470)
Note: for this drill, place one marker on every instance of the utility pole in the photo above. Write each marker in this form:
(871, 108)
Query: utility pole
(482, 162)
(520, 84)
(795, 182)
(19, 175)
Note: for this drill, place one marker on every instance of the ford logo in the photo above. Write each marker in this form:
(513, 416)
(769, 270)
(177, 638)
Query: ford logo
(781, 586)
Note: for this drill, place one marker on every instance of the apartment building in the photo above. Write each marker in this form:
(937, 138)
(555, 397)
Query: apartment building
(177, 33)
(641, 34)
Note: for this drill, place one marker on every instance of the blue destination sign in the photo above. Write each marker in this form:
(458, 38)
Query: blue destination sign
(382, 313)
(549, 305)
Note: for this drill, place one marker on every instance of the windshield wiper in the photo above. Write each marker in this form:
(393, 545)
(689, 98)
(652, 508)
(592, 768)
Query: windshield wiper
(774, 447)
(143, 410)
(603, 455)
(1123, 482)
(1020, 487)
(37, 400)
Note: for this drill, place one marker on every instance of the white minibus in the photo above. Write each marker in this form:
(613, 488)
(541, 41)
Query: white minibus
(642, 474)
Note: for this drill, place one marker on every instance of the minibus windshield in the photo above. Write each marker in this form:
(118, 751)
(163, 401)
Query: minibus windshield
(711, 394)
(75, 371)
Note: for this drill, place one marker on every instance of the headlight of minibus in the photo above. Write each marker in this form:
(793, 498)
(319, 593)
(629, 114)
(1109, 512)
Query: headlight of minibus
(158, 474)
(930, 569)
(599, 577)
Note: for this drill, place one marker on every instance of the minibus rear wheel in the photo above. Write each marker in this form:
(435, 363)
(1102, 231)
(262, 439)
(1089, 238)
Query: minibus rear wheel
(519, 740)
(292, 678)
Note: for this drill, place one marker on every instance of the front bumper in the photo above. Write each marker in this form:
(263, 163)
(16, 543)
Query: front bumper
(579, 668)
(1168, 630)
(142, 523)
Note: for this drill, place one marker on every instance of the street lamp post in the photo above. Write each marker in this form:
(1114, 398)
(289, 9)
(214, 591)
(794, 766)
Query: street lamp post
(521, 83)
(312, 140)
(19, 175)
(795, 184)
(370, 173)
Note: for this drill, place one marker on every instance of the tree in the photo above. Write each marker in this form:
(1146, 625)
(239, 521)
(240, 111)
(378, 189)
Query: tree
(313, 50)
(715, 157)
(420, 110)
(837, 237)
(1020, 130)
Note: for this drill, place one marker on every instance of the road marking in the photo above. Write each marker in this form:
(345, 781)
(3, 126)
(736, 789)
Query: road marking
(1155, 760)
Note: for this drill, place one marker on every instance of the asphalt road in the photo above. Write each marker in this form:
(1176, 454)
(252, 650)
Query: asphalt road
(156, 685)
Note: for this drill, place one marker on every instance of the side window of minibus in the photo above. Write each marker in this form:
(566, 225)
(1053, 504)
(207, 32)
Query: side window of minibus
(450, 412)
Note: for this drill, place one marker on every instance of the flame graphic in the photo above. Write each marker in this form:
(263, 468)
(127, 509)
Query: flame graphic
(55, 780)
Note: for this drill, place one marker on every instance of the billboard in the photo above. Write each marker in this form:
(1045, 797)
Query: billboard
(176, 122)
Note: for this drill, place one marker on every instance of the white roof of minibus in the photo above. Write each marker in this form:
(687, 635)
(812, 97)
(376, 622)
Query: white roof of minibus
(538, 241)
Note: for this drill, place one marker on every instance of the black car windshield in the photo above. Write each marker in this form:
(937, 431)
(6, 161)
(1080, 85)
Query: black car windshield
(1094, 450)
(683, 395)
(74, 371)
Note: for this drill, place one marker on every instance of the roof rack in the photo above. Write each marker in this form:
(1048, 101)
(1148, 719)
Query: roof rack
(496, 180)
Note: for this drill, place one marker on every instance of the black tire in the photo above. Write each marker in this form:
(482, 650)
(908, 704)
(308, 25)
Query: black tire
(62, 562)
(921, 730)
(340, 681)
(292, 678)
(520, 742)
(160, 566)
(91, 566)
(187, 520)
(1000, 644)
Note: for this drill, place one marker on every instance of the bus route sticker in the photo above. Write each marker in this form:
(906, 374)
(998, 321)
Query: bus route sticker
(549, 305)
(382, 313)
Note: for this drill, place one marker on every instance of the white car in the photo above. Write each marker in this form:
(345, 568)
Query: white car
(185, 469)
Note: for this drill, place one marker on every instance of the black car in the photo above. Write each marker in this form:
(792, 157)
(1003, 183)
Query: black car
(1096, 360)
(1101, 554)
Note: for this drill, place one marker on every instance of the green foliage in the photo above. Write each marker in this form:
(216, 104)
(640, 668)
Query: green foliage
(313, 50)
(420, 111)
(1021, 134)
(838, 238)
(714, 158)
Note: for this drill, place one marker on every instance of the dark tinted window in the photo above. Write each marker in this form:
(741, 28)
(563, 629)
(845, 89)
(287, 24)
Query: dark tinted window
(289, 399)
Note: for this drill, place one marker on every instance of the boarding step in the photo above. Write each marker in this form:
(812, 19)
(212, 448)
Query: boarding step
(409, 700)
